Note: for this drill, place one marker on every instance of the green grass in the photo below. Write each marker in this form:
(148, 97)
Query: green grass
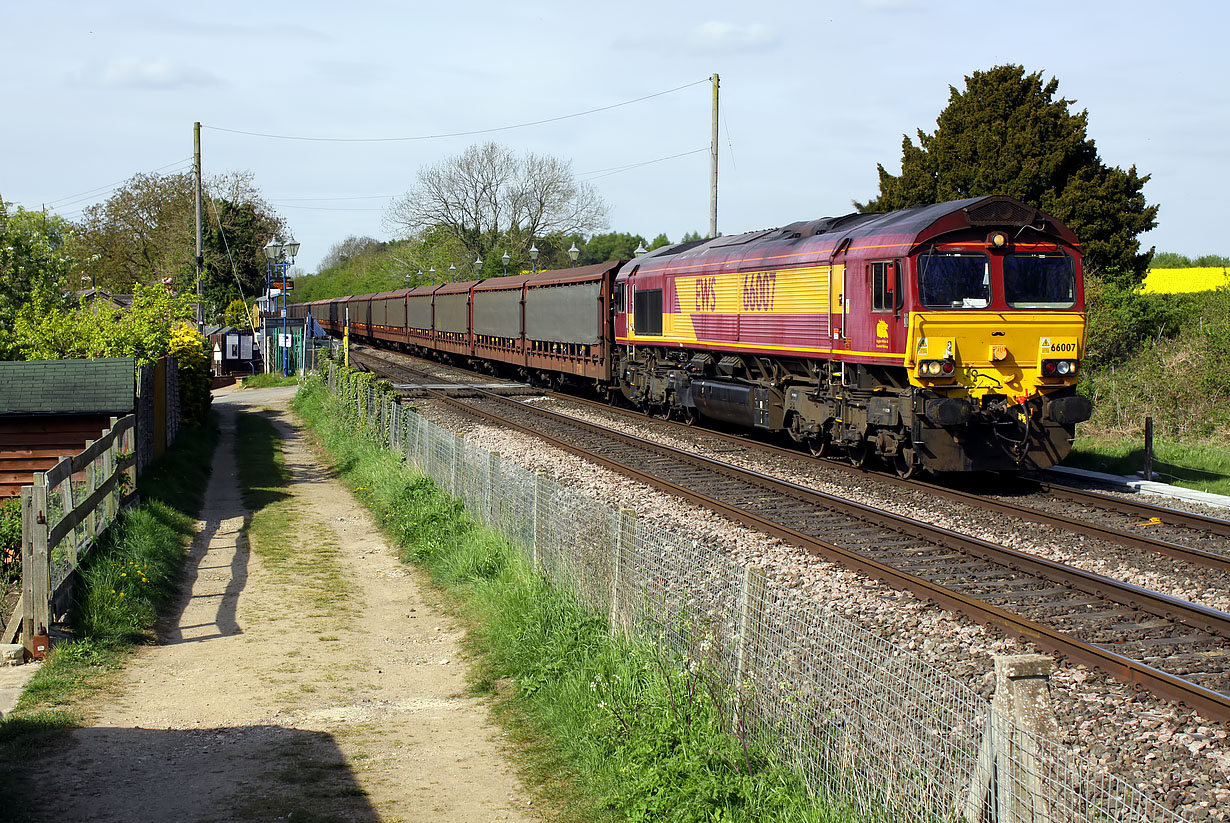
(125, 579)
(1204, 467)
(267, 381)
(304, 556)
(608, 728)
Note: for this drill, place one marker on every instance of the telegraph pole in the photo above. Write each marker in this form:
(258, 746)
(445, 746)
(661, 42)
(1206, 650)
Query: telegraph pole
(713, 163)
(200, 259)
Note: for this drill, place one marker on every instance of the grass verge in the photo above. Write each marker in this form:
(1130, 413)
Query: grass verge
(609, 728)
(306, 561)
(267, 381)
(130, 574)
(1204, 467)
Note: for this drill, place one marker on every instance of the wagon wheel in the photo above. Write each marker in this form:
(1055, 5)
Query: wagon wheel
(858, 454)
(820, 446)
(906, 463)
(687, 416)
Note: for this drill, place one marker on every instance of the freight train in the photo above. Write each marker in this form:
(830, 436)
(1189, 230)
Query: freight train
(941, 338)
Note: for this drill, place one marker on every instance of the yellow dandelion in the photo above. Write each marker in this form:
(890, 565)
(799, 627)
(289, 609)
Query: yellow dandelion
(123, 574)
(122, 594)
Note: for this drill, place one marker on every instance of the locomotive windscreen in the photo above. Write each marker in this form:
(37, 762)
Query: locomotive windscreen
(564, 314)
(1039, 281)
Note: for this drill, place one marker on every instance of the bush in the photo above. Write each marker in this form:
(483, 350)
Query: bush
(188, 348)
(10, 540)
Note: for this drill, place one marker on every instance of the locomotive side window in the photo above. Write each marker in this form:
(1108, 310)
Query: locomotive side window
(885, 286)
(647, 311)
(617, 297)
(1039, 281)
(954, 281)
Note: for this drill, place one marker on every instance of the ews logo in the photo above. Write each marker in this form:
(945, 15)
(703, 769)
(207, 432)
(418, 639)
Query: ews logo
(758, 291)
(706, 294)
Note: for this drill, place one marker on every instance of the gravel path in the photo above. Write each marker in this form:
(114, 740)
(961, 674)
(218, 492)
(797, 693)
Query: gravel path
(256, 706)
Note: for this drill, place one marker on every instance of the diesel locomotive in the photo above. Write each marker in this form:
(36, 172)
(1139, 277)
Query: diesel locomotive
(942, 338)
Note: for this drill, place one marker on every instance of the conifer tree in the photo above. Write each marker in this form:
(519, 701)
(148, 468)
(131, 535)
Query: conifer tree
(1007, 133)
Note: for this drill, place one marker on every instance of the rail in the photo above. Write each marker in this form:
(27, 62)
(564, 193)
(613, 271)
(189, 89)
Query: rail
(862, 721)
(62, 514)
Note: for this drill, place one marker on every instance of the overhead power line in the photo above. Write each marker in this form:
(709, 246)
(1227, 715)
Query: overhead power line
(457, 133)
(85, 195)
(595, 175)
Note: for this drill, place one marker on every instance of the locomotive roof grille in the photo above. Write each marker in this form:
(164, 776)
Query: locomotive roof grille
(1001, 213)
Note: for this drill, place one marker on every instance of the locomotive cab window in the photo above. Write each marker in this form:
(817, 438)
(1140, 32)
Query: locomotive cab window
(886, 286)
(617, 297)
(647, 311)
(954, 281)
(1039, 281)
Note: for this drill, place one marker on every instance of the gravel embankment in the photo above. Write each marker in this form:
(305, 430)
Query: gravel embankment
(1173, 754)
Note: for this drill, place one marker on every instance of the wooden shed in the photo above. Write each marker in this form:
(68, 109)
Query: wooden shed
(51, 408)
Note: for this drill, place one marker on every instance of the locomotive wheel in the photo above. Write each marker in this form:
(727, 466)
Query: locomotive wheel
(687, 416)
(858, 454)
(906, 463)
(819, 446)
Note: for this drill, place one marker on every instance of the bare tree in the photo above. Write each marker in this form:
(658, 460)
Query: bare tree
(488, 197)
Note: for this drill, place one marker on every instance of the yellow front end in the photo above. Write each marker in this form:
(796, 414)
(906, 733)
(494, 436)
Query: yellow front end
(992, 353)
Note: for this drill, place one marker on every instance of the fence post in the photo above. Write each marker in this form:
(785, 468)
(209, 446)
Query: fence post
(1012, 772)
(36, 567)
(493, 489)
(454, 442)
(541, 513)
(751, 623)
(1148, 472)
(625, 544)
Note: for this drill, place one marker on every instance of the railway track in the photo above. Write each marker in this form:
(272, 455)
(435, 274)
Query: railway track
(1186, 536)
(1175, 649)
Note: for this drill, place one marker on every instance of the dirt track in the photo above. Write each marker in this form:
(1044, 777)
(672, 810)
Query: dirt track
(255, 707)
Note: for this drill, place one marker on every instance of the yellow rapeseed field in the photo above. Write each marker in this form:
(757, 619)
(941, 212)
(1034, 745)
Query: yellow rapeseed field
(1173, 281)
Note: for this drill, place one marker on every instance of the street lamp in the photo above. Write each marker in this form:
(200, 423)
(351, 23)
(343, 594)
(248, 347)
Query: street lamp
(534, 257)
(640, 249)
(478, 267)
(431, 270)
(452, 273)
(505, 258)
(574, 252)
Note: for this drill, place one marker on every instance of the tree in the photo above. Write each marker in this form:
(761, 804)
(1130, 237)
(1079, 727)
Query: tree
(659, 241)
(614, 245)
(1007, 133)
(37, 265)
(145, 233)
(490, 200)
(345, 250)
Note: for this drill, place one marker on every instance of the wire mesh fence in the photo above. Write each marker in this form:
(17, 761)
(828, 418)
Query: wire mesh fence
(867, 725)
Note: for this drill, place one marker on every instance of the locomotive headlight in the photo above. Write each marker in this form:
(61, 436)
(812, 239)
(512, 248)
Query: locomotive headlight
(1059, 368)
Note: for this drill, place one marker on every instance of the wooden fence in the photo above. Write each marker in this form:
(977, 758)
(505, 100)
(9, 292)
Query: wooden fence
(62, 514)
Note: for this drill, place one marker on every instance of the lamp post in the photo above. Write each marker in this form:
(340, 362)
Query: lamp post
(452, 273)
(431, 272)
(574, 253)
(640, 249)
(478, 267)
(279, 258)
(534, 257)
(505, 258)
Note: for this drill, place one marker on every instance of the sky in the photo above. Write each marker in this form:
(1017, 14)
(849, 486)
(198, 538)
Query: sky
(813, 96)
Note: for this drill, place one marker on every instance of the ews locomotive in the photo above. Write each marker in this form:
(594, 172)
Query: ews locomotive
(944, 337)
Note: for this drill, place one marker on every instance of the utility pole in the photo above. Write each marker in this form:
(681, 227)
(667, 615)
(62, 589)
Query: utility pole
(200, 259)
(713, 163)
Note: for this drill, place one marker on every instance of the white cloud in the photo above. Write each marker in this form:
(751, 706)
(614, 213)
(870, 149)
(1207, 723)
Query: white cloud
(144, 75)
(718, 36)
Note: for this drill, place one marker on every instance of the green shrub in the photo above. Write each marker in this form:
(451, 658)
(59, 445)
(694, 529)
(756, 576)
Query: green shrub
(10, 540)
